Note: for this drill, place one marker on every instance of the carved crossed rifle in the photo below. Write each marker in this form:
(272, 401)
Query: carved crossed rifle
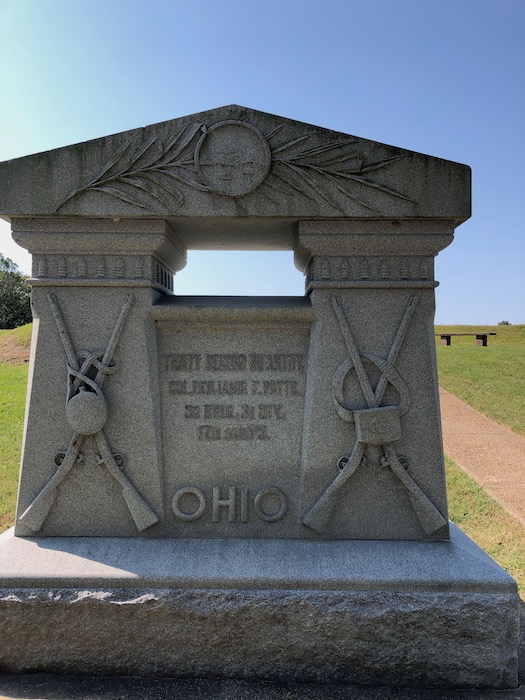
(319, 515)
(86, 412)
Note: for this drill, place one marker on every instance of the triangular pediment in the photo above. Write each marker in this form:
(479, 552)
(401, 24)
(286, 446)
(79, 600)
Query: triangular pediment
(234, 162)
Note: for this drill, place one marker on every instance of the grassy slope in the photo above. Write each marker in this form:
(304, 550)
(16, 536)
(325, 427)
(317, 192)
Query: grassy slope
(15, 344)
(22, 333)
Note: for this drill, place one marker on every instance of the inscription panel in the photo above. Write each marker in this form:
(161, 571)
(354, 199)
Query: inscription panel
(232, 417)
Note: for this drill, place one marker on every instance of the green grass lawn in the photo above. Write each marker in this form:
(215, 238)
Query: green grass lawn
(13, 382)
(486, 522)
(491, 379)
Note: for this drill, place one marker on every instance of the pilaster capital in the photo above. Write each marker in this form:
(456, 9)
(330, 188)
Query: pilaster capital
(101, 252)
(352, 239)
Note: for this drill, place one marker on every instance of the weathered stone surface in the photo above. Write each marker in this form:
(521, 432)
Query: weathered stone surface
(122, 687)
(273, 635)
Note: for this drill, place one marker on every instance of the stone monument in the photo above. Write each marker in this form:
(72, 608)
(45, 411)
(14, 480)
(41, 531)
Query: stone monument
(241, 487)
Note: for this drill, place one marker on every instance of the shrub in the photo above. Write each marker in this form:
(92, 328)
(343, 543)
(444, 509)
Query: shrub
(15, 307)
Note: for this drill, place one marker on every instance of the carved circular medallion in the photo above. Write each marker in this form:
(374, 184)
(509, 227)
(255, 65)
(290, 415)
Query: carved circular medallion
(233, 158)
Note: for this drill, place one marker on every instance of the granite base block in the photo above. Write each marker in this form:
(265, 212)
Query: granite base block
(460, 630)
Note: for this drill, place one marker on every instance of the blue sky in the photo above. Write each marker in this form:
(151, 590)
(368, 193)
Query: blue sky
(442, 77)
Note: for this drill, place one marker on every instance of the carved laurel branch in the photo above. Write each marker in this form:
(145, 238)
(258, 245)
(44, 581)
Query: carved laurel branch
(150, 172)
(315, 171)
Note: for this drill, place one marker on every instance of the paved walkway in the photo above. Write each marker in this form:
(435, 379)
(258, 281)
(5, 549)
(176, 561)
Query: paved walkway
(492, 454)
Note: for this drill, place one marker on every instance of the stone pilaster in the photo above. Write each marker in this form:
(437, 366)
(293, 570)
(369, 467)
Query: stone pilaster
(371, 285)
(89, 276)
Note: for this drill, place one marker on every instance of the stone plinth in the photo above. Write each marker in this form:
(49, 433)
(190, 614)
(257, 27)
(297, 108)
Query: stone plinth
(385, 613)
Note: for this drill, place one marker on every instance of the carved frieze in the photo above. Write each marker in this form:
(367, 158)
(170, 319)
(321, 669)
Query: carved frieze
(370, 268)
(102, 268)
(81, 268)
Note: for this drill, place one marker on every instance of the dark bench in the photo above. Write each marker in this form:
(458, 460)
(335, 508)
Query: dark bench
(481, 338)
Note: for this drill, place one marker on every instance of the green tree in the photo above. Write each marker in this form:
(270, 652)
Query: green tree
(15, 308)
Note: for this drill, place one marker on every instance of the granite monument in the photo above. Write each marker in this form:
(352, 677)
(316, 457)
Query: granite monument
(241, 487)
